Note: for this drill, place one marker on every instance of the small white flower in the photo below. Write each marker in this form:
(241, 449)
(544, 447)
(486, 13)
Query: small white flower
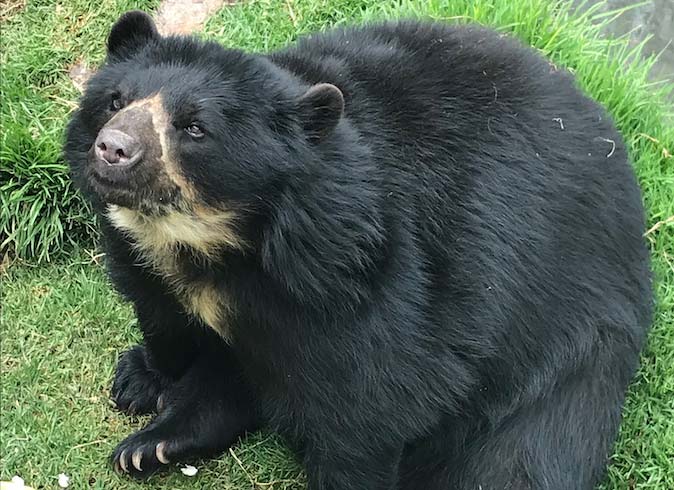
(189, 470)
(18, 482)
(64, 480)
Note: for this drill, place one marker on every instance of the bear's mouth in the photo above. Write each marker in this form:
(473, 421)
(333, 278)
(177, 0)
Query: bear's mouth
(138, 187)
(112, 175)
(113, 183)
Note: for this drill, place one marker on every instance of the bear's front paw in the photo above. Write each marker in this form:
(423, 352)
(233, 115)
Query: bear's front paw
(197, 429)
(147, 451)
(137, 386)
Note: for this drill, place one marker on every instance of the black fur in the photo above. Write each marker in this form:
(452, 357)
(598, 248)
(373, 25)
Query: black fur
(444, 284)
(133, 30)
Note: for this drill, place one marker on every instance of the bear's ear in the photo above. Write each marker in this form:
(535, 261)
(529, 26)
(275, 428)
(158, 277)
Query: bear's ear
(131, 32)
(321, 107)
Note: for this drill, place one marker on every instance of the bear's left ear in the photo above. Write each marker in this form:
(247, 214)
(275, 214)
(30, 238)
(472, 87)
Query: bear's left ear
(321, 107)
(131, 32)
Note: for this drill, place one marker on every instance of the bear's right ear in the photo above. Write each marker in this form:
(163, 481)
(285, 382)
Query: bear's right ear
(131, 32)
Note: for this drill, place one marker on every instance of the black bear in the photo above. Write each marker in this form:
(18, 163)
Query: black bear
(413, 249)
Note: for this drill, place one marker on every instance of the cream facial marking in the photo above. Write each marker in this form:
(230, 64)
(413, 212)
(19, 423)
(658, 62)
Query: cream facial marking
(204, 230)
(161, 122)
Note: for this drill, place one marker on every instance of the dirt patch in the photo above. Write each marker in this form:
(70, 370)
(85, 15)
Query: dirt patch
(185, 16)
(173, 17)
(79, 74)
(9, 8)
(40, 291)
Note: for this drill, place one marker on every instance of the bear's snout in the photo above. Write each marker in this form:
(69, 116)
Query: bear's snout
(132, 162)
(115, 147)
(126, 148)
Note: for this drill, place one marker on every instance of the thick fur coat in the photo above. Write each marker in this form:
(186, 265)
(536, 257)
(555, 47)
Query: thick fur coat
(413, 249)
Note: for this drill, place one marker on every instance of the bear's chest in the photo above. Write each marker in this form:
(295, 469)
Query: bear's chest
(163, 243)
(201, 297)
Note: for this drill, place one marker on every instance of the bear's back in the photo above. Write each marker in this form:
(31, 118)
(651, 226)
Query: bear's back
(518, 185)
(421, 79)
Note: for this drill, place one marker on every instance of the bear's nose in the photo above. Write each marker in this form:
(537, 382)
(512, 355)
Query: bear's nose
(116, 147)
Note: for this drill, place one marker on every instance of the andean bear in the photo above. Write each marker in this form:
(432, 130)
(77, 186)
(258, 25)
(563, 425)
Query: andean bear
(413, 249)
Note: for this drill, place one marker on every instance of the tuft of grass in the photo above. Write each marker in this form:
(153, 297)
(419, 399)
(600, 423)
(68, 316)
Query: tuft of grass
(62, 329)
(40, 211)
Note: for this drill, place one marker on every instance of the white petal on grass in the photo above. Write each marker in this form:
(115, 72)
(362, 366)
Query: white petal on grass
(16, 483)
(64, 480)
(189, 470)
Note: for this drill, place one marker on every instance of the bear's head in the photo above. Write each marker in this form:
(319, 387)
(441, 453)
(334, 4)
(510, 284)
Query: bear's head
(182, 144)
(174, 124)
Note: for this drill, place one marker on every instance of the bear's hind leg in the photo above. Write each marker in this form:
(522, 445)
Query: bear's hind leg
(560, 442)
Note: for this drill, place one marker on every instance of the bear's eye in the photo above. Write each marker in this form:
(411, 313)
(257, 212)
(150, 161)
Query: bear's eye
(115, 102)
(194, 130)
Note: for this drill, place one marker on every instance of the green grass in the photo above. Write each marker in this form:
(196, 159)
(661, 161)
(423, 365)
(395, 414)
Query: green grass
(40, 211)
(63, 331)
(62, 328)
